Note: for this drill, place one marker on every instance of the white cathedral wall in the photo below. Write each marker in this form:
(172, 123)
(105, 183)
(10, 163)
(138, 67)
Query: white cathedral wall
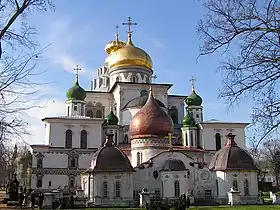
(84, 160)
(225, 180)
(106, 99)
(178, 102)
(93, 127)
(169, 177)
(208, 136)
(126, 184)
(56, 181)
(143, 178)
(52, 160)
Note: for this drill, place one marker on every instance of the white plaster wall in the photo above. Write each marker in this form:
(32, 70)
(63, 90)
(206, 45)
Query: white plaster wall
(126, 184)
(178, 102)
(147, 154)
(57, 181)
(168, 179)
(208, 135)
(84, 160)
(106, 99)
(58, 129)
(52, 160)
(225, 180)
(143, 178)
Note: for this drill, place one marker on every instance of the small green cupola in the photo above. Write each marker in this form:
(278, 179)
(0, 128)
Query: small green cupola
(111, 119)
(193, 99)
(188, 120)
(76, 92)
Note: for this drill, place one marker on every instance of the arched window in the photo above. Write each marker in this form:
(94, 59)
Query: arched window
(125, 141)
(191, 139)
(218, 141)
(134, 79)
(186, 136)
(177, 188)
(117, 79)
(89, 113)
(83, 139)
(217, 187)
(73, 163)
(68, 111)
(246, 187)
(235, 185)
(68, 139)
(118, 189)
(144, 93)
(40, 163)
(138, 158)
(105, 189)
(98, 114)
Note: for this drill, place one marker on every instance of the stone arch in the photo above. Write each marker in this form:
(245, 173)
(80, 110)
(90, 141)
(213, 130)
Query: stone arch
(68, 139)
(83, 143)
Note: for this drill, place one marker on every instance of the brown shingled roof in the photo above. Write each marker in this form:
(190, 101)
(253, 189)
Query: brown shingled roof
(111, 159)
(232, 157)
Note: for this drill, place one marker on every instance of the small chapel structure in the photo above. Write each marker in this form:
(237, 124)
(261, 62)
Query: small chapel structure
(128, 133)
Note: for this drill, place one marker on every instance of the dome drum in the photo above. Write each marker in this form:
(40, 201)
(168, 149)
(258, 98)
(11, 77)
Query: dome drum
(150, 141)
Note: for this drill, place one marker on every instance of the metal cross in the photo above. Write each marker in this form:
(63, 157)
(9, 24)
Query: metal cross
(129, 23)
(117, 32)
(154, 77)
(192, 81)
(77, 69)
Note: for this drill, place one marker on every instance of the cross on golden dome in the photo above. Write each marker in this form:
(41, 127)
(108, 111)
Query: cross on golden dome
(117, 33)
(129, 23)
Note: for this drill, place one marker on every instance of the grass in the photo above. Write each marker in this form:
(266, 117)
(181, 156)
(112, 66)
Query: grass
(251, 207)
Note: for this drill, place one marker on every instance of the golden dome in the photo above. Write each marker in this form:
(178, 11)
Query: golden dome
(129, 55)
(113, 46)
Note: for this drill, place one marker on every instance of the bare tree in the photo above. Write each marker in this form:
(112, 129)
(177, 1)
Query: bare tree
(18, 57)
(247, 33)
(270, 153)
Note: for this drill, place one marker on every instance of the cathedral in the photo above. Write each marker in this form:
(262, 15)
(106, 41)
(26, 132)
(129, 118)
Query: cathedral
(127, 134)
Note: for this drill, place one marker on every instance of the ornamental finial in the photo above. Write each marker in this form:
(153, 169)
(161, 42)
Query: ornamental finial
(192, 82)
(77, 69)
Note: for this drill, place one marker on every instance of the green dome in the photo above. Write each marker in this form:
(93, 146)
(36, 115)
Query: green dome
(188, 120)
(111, 119)
(76, 92)
(193, 99)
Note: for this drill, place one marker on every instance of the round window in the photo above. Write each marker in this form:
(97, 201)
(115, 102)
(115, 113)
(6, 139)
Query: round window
(155, 174)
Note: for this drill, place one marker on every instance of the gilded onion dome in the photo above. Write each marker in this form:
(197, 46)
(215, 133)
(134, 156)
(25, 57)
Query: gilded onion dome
(129, 55)
(150, 121)
(114, 45)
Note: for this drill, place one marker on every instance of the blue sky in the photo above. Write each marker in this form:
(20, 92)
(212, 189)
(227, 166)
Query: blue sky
(79, 30)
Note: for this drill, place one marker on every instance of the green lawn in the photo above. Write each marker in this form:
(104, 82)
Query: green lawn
(212, 208)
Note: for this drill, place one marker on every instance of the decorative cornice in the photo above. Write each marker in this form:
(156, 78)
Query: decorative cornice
(57, 171)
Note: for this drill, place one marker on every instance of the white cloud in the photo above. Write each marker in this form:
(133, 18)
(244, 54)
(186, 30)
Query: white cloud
(62, 37)
(34, 118)
(157, 43)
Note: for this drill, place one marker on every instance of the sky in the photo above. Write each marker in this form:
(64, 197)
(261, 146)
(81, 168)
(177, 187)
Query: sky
(77, 32)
